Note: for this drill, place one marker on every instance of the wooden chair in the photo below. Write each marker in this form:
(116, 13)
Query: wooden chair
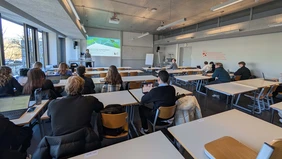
(123, 74)
(163, 113)
(103, 74)
(120, 69)
(134, 85)
(237, 78)
(114, 121)
(277, 153)
(269, 96)
(133, 73)
(151, 81)
(259, 98)
(100, 69)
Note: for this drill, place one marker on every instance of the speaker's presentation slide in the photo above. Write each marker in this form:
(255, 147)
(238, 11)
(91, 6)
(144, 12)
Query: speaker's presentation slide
(103, 46)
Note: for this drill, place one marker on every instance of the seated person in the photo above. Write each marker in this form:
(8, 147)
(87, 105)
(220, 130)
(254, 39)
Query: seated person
(207, 67)
(89, 84)
(37, 65)
(220, 74)
(163, 95)
(74, 111)
(213, 66)
(36, 79)
(15, 140)
(113, 81)
(243, 71)
(9, 86)
(173, 65)
(63, 70)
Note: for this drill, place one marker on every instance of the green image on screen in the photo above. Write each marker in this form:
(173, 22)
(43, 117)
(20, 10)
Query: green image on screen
(103, 41)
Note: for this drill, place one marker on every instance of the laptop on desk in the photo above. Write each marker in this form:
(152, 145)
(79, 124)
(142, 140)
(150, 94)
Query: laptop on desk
(54, 78)
(271, 80)
(14, 107)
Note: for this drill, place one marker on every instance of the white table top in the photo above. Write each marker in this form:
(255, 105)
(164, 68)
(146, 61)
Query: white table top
(172, 71)
(137, 93)
(151, 68)
(120, 97)
(98, 72)
(230, 88)
(277, 106)
(62, 83)
(188, 78)
(123, 98)
(191, 70)
(151, 146)
(28, 116)
(106, 68)
(249, 130)
(258, 83)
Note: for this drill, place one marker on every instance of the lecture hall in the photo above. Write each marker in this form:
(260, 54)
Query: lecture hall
(140, 79)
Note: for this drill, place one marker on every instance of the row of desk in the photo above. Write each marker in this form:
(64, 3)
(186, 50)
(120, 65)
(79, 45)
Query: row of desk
(91, 73)
(247, 129)
(62, 83)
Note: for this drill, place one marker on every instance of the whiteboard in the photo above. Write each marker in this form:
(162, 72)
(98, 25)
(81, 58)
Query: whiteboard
(149, 59)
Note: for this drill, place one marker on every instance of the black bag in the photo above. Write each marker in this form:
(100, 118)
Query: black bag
(109, 109)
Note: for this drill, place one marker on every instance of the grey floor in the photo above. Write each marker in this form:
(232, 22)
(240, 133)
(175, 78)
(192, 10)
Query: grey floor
(209, 106)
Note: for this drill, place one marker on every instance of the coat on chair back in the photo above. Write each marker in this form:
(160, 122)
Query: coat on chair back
(68, 145)
(188, 109)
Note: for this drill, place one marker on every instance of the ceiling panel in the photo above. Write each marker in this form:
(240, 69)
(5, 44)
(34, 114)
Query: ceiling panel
(135, 15)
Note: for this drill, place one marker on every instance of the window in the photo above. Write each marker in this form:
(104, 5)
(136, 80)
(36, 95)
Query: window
(31, 45)
(40, 55)
(14, 45)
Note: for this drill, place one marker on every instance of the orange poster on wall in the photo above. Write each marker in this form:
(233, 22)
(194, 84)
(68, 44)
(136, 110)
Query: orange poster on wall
(214, 55)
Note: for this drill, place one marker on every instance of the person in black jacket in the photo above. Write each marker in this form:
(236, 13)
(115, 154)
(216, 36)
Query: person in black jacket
(74, 111)
(243, 71)
(89, 85)
(163, 95)
(213, 66)
(9, 86)
(14, 140)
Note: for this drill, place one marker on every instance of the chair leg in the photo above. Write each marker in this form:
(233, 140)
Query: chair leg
(272, 102)
(259, 106)
(268, 103)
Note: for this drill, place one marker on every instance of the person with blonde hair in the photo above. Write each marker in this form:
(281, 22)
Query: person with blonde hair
(9, 86)
(37, 65)
(113, 81)
(74, 111)
(63, 70)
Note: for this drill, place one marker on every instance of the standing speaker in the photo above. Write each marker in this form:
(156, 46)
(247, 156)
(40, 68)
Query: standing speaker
(75, 43)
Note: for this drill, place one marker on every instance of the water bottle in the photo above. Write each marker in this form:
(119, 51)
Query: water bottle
(280, 78)
(38, 96)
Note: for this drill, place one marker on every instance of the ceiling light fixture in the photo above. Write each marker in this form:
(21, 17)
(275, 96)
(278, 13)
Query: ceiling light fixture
(275, 25)
(225, 32)
(185, 36)
(73, 9)
(225, 4)
(143, 35)
(171, 24)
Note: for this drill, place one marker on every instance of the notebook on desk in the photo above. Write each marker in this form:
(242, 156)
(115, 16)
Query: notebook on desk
(229, 148)
(14, 107)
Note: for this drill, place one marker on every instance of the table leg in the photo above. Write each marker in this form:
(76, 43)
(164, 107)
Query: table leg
(132, 119)
(232, 101)
(272, 115)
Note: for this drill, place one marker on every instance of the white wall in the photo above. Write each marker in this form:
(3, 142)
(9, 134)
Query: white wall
(71, 53)
(53, 48)
(134, 49)
(102, 60)
(262, 53)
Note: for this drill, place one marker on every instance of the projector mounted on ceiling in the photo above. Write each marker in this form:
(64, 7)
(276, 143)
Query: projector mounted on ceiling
(114, 19)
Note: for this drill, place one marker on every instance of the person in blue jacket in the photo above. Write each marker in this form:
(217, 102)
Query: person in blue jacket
(220, 74)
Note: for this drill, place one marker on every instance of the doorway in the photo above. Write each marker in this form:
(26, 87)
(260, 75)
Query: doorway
(185, 56)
